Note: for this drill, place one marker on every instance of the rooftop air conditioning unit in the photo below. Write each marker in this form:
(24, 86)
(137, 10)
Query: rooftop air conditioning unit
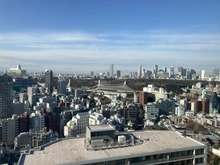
(121, 139)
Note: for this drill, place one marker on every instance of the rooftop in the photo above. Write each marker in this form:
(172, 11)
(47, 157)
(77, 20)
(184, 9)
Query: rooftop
(115, 87)
(71, 151)
(102, 127)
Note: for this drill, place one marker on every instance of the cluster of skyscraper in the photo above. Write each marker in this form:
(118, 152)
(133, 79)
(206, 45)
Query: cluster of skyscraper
(163, 73)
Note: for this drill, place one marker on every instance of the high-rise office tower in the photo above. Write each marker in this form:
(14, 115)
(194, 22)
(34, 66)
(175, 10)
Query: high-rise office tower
(111, 70)
(61, 87)
(32, 98)
(188, 74)
(49, 80)
(165, 69)
(180, 70)
(202, 75)
(184, 72)
(118, 73)
(172, 71)
(143, 73)
(156, 69)
(139, 71)
(215, 73)
(6, 97)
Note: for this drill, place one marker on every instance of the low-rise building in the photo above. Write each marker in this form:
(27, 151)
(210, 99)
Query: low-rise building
(9, 129)
(23, 139)
(104, 146)
(151, 111)
(77, 125)
(97, 118)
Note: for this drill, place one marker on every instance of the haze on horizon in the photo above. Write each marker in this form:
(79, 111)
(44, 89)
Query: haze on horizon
(81, 36)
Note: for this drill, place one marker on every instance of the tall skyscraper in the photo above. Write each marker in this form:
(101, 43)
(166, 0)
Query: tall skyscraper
(156, 69)
(172, 73)
(49, 80)
(180, 70)
(216, 73)
(139, 71)
(111, 70)
(6, 97)
(188, 74)
(165, 69)
(61, 87)
(143, 73)
(118, 73)
(202, 75)
(184, 72)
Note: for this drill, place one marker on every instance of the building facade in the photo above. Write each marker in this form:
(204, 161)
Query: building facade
(49, 80)
(77, 125)
(139, 73)
(104, 146)
(111, 70)
(9, 129)
(151, 111)
(6, 97)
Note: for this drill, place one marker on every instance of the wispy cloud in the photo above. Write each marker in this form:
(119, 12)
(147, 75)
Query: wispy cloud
(74, 40)
(63, 50)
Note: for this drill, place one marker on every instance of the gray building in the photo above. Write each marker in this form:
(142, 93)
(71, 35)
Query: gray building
(9, 129)
(111, 70)
(6, 97)
(32, 98)
(180, 70)
(139, 73)
(61, 88)
(118, 73)
(49, 80)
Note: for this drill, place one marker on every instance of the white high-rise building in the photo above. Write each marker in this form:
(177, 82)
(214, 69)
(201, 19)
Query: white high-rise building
(202, 75)
(139, 71)
(111, 70)
(77, 125)
(180, 110)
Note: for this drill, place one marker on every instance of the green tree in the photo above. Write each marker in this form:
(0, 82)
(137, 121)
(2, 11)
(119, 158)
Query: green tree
(216, 160)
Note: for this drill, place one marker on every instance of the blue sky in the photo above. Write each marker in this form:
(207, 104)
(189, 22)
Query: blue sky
(80, 36)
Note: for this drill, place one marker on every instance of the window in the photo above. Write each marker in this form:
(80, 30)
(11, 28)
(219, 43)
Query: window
(199, 160)
(199, 151)
(189, 152)
(122, 161)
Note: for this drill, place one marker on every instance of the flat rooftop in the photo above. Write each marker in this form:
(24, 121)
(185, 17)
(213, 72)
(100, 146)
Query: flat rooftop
(101, 127)
(71, 151)
(115, 87)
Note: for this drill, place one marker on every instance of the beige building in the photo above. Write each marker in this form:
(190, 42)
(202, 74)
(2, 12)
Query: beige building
(17, 72)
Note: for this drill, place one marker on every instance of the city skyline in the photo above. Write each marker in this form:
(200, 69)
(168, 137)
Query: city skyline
(124, 71)
(80, 37)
